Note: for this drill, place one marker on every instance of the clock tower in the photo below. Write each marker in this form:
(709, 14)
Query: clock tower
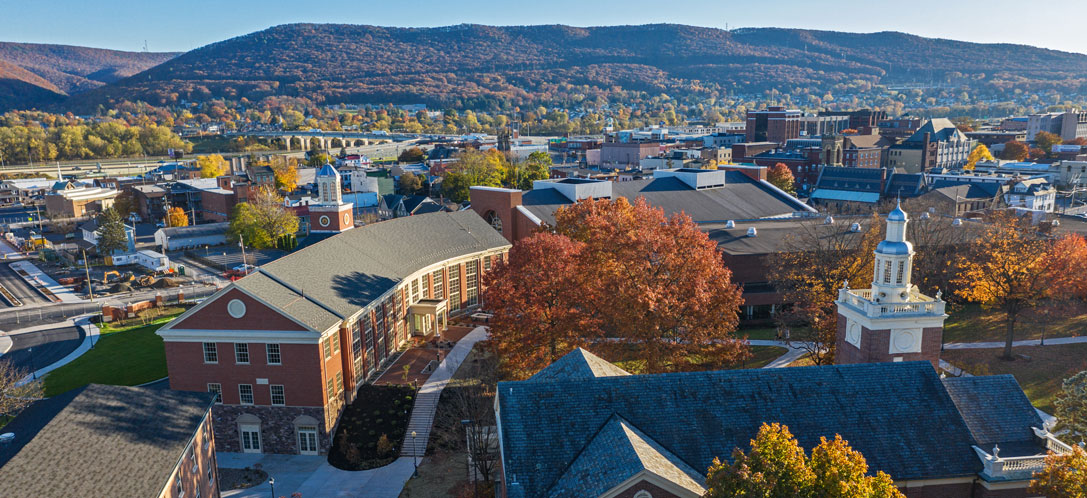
(330, 214)
(892, 320)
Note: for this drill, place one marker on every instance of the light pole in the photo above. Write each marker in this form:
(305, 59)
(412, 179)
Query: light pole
(272, 483)
(34, 373)
(414, 456)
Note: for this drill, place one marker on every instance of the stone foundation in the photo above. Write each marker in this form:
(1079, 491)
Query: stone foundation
(277, 427)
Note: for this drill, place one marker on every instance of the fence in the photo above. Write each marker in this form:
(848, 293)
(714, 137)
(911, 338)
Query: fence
(18, 318)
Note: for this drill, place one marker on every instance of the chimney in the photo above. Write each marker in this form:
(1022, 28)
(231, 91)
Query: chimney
(924, 150)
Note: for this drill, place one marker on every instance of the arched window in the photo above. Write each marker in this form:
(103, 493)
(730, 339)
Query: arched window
(495, 221)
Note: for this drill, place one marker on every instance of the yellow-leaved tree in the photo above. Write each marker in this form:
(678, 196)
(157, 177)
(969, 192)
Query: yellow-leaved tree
(176, 217)
(211, 166)
(1064, 476)
(980, 153)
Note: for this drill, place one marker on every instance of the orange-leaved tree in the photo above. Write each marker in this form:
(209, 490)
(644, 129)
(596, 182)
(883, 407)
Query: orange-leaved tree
(659, 280)
(780, 176)
(776, 466)
(540, 312)
(1015, 151)
(1011, 269)
(176, 217)
(1064, 476)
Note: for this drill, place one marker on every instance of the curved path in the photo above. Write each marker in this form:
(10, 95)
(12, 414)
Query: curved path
(31, 350)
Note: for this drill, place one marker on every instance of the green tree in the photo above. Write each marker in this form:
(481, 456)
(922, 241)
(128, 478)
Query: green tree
(411, 155)
(263, 221)
(410, 183)
(318, 159)
(111, 232)
(1071, 406)
(1046, 141)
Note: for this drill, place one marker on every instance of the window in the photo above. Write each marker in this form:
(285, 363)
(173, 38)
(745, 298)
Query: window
(335, 341)
(471, 277)
(887, 272)
(180, 487)
(211, 476)
(339, 382)
(439, 284)
(487, 263)
(218, 390)
(241, 352)
(326, 344)
(415, 291)
(356, 339)
(454, 288)
(211, 355)
(192, 460)
(368, 333)
(245, 393)
(424, 282)
(277, 395)
(901, 270)
(273, 354)
(331, 388)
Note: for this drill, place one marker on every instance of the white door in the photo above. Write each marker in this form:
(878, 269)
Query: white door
(307, 440)
(250, 438)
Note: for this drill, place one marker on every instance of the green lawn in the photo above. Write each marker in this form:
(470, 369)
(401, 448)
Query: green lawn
(1040, 377)
(971, 323)
(131, 357)
(630, 359)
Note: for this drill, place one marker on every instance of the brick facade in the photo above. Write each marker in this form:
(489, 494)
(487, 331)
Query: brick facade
(875, 346)
(205, 474)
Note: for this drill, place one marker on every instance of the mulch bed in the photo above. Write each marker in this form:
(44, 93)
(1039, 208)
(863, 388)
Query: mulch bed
(240, 478)
(377, 411)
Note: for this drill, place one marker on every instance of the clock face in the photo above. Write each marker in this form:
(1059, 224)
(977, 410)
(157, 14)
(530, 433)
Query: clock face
(323, 220)
(347, 218)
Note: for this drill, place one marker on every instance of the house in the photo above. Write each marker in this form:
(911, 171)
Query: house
(957, 199)
(707, 196)
(1034, 194)
(396, 206)
(192, 236)
(582, 427)
(89, 233)
(936, 144)
(112, 441)
(81, 201)
(841, 188)
(287, 346)
(24, 190)
(261, 175)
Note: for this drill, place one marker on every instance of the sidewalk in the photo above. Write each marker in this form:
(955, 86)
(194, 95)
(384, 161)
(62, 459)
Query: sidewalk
(794, 353)
(82, 322)
(312, 476)
(426, 400)
(1056, 341)
(40, 280)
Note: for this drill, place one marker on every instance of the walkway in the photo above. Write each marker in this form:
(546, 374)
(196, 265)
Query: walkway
(90, 337)
(312, 476)
(1055, 341)
(794, 352)
(426, 400)
(44, 283)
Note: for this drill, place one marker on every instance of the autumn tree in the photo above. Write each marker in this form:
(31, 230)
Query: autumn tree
(211, 166)
(658, 281)
(410, 183)
(1071, 407)
(777, 467)
(1064, 475)
(176, 217)
(285, 171)
(780, 176)
(317, 159)
(411, 155)
(1006, 270)
(473, 168)
(813, 263)
(1046, 141)
(262, 221)
(1015, 151)
(112, 236)
(980, 153)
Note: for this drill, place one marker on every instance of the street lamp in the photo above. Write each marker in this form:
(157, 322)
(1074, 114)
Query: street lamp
(414, 456)
(33, 372)
(272, 482)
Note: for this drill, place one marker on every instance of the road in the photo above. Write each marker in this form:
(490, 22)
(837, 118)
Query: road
(22, 290)
(17, 318)
(34, 350)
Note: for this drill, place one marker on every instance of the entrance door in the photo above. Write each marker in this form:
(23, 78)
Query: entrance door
(307, 440)
(250, 438)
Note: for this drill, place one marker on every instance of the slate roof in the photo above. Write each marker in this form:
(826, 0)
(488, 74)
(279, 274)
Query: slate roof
(939, 129)
(617, 453)
(905, 185)
(973, 190)
(578, 364)
(196, 230)
(851, 179)
(741, 198)
(996, 410)
(63, 444)
(332, 279)
(697, 416)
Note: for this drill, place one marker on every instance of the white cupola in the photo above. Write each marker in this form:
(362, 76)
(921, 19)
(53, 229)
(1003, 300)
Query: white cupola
(328, 186)
(894, 260)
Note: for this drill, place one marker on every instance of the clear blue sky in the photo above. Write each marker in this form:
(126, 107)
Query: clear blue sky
(184, 25)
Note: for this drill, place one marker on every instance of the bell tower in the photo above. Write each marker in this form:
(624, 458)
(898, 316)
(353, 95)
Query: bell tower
(892, 320)
(331, 214)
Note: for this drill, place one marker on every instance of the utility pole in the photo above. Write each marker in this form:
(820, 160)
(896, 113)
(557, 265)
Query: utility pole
(90, 288)
(245, 264)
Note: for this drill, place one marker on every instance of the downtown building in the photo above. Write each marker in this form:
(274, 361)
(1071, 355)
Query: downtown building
(286, 347)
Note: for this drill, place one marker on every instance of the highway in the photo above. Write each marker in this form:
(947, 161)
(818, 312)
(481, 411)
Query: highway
(33, 350)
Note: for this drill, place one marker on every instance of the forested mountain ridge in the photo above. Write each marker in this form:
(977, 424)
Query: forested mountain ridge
(33, 74)
(487, 66)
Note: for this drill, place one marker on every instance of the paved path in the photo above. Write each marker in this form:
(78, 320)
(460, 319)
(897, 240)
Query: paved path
(426, 400)
(794, 352)
(1055, 341)
(312, 476)
(90, 336)
(38, 278)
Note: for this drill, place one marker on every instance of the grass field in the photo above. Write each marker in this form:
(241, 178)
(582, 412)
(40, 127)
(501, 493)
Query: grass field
(971, 323)
(129, 357)
(1040, 376)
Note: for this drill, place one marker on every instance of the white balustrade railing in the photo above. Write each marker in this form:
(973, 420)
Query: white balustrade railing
(861, 300)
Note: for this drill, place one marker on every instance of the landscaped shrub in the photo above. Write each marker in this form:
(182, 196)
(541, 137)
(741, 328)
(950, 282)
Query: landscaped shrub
(371, 430)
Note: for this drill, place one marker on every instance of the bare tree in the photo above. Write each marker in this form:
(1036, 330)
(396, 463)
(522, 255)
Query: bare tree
(465, 417)
(16, 395)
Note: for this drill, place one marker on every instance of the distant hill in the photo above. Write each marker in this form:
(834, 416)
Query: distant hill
(477, 66)
(34, 74)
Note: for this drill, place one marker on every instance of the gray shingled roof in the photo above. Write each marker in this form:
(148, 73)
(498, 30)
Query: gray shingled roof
(100, 441)
(995, 409)
(578, 364)
(740, 199)
(336, 277)
(617, 453)
(878, 408)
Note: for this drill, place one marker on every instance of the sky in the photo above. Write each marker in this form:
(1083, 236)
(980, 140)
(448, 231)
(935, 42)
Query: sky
(181, 26)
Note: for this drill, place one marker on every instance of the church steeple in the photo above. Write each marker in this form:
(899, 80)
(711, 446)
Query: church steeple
(328, 186)
(894, 261)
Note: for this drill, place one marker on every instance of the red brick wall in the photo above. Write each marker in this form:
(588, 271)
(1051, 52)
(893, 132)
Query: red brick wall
(214, 316)
(503, 204)
(298, 374)
(961, 490)
(216, 207)
(875, 346)
(205, 461)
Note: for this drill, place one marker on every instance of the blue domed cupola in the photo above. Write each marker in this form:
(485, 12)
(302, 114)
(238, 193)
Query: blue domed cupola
(894, 261)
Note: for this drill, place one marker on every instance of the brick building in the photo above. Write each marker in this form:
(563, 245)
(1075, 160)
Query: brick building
(286, 346)
(775, 124)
